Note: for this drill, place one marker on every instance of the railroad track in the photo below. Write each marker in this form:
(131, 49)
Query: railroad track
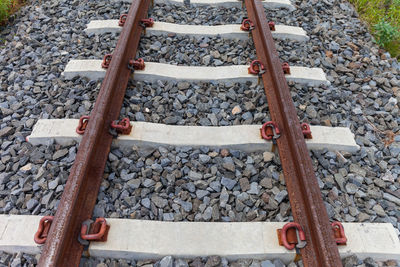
(313, 238)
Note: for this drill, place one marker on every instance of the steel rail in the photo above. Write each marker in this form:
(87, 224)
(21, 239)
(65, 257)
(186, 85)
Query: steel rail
(304, 194)
(79, 197)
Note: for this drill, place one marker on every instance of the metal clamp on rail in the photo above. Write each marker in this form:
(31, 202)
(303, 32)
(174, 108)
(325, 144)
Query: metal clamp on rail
(83, 122)
(286, 68)
(94, 231)
(121, 127)
(122, 20)
(287, 239)
(338, 231)
(43, 230)
(292, 236)
(137, 64)
(247, 25)
(144, 23)
(271, 25)
(106, 61)
(270, 131)
(256, 67)
(147, 22)
(306, 130)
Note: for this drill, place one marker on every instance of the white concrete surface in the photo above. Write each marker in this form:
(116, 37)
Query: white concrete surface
(242, 137)
(140, 239)
(92, 69)
(228, 31)
(17, 232)
(270, 4)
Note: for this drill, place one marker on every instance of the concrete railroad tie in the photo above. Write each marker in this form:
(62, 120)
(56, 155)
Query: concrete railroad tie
(141, 239)
(227, 31)
(92, 69)
(270, 4)
(239, 137)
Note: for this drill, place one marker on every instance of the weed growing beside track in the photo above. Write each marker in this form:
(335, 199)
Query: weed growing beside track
(7, 8)
(383, 18)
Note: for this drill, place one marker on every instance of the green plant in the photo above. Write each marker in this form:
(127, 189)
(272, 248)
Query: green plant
(385, 33)
(5, 6)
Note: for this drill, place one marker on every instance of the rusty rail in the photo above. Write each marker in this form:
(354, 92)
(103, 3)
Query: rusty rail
(79, 198)
(305, 197)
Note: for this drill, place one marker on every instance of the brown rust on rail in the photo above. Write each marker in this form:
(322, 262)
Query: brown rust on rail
(305, 197)
(62, 248)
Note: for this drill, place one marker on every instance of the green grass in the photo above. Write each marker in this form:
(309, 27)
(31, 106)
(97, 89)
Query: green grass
(7, 8)
(383, 18)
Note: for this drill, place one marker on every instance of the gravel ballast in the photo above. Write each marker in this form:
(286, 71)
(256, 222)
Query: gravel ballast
(186, 184)
(26, 260)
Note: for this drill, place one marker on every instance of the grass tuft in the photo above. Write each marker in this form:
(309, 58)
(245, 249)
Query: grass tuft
(7, 8)
(383, 18)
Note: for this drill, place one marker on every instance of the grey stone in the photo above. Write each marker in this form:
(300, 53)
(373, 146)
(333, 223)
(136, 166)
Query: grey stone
(351, 188)
(202, 193)
(181, 263)
(31, 204)
(167, 261)
(183, 85)
(204, 158)
(281, 196)
(194, 176)
(279, 263)
(159, 201)
(267, 263)
(168, 216)
(228, 183)
(60, 153)
(253, 189)
(145, 202)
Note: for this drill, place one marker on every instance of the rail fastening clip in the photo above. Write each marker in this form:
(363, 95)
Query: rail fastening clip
(43, 230)
(270, 131)
(306, 129)
(83, 122)
(94, 231)
(106, 61)
(122, 127)
(301, 236)
(286, 68)
(122, 20)
(338, 231)
(247, 25)
(271, 25)
(137, 64)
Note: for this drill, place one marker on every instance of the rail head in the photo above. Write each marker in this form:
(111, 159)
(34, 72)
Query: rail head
(304, 194)
(62, 247)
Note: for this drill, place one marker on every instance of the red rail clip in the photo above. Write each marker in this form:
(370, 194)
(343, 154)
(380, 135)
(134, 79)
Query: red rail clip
(286, 68)
(43, 230)
(137, 64)
(305, 128)
(122, 127)
(83, 122)
(122, 20)
(292, 235)
(106, 61)
(339, 234)
(147, 22)
(256, 67)
(271, 25)
(283, 236)
(96, 231)
(247, 25)
(270, 130)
